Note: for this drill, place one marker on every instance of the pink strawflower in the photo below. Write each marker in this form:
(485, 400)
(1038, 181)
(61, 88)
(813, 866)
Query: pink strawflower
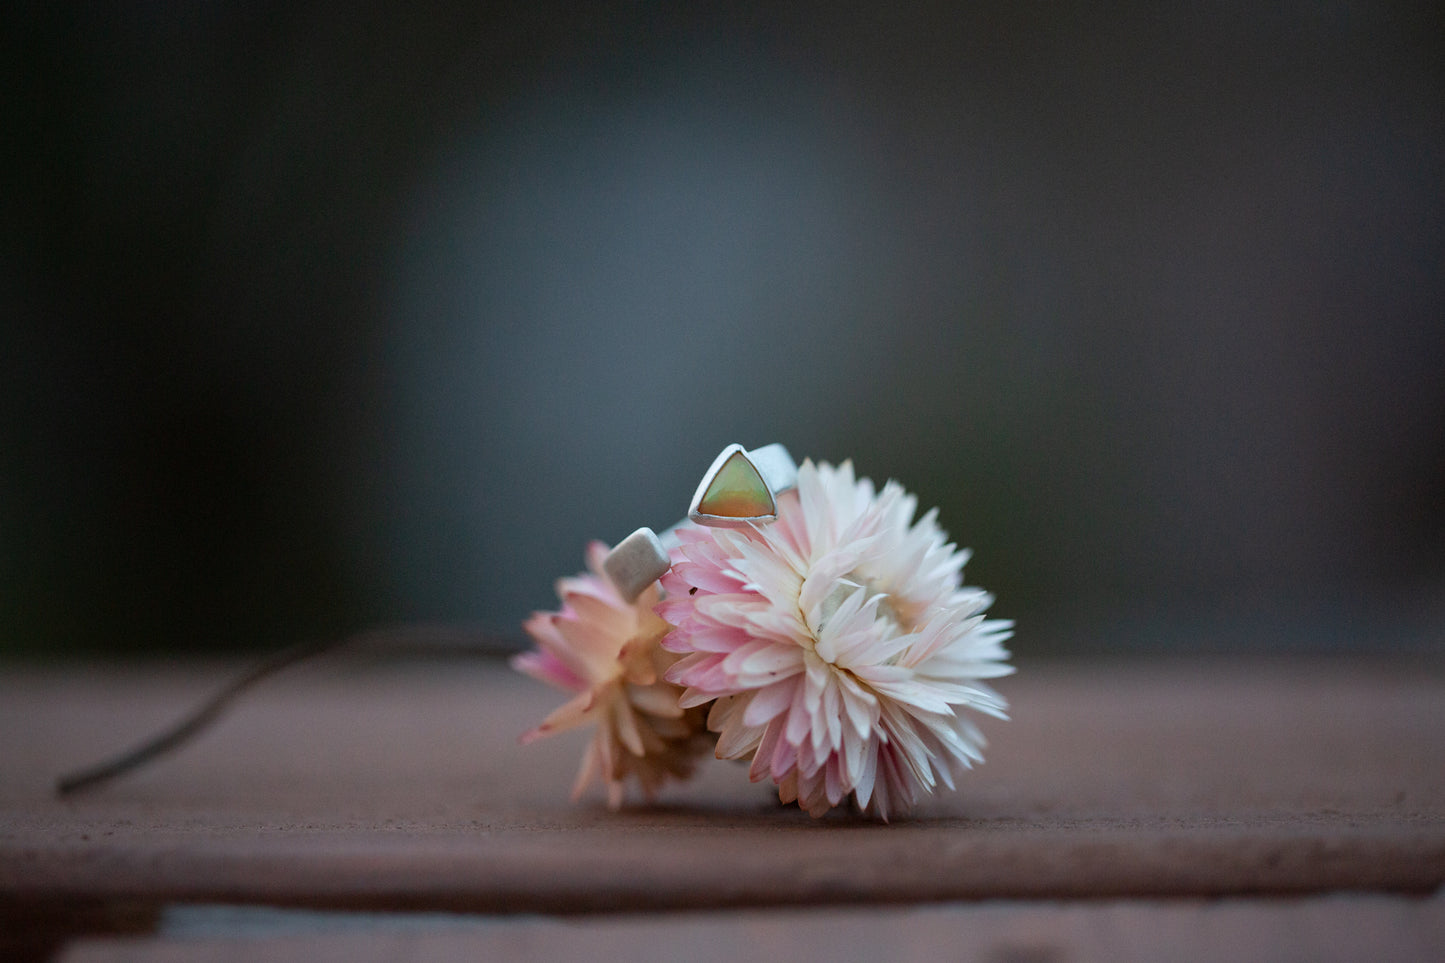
(839, 644)
(606, 650)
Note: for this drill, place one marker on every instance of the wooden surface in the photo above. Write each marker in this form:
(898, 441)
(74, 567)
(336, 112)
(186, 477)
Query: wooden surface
(363, 786)
(1355, 928)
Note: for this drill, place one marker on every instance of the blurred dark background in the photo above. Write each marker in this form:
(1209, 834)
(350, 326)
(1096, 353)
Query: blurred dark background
(313, 318)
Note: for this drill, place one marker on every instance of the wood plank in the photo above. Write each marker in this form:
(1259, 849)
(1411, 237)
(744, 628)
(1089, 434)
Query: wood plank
(1322, 929)
(357, 785)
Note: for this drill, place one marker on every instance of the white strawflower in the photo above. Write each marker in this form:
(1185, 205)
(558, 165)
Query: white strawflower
(839, 644)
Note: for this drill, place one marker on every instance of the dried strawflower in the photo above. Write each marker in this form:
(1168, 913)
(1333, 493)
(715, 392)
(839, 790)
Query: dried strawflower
(606, 650)
(837, 645)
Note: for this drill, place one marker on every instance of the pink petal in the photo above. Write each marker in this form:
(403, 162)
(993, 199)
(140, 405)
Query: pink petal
(566, 716)
(769, 702)
(546, 667)
(706, 578)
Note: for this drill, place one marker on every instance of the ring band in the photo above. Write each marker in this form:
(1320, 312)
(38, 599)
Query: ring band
(739, 490)
(776, 466)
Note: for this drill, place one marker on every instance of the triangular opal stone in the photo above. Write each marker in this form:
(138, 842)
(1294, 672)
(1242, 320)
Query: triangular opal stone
(737, 491)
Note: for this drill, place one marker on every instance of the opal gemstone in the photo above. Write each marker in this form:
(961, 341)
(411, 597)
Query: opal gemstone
(737, 491)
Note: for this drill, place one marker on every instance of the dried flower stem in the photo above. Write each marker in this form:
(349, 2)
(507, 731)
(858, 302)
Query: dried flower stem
(431, 639)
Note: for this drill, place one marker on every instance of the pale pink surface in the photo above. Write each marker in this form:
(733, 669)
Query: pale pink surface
(606, 650)
(839, 644)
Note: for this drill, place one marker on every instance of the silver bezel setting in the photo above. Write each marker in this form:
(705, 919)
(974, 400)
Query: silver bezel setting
(725, 521)
(642, 558)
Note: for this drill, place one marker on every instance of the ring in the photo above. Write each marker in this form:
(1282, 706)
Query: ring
(635, 563)
(739, 490)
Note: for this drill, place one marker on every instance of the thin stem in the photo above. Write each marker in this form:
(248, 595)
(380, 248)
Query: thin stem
(435, 638)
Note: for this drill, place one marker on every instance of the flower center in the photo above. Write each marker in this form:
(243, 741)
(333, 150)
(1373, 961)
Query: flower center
(884, 612)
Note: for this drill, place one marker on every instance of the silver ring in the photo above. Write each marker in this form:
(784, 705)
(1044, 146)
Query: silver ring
(740, 489)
